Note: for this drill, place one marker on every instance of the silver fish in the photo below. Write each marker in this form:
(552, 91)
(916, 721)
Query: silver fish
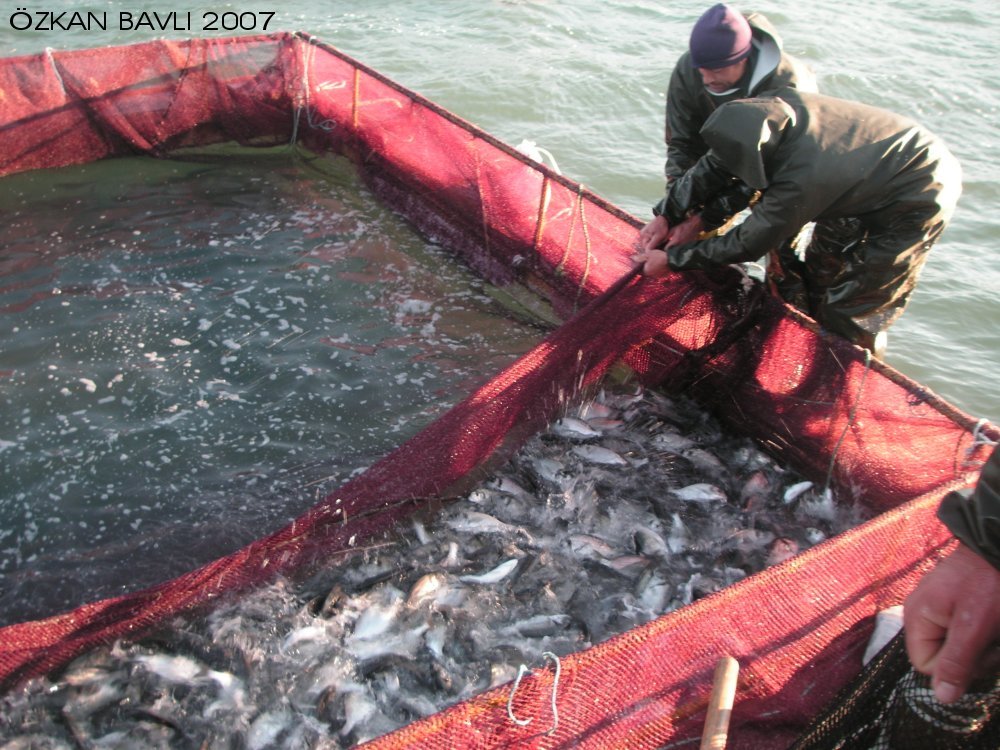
(796, 490)
(510, 487)
(539, 626)
(591, 546)
(597, 454)
(358, 709)
(672, 442)
(574, 429)
(378, 616)
(551, 470)
(496, 575)
(436, 589)
(755, 490)
(700, 492)
(814, 535)
(705, 461)
(308, 633)
(654, 590)
(475, 522)
(677, 541)
(649, 543)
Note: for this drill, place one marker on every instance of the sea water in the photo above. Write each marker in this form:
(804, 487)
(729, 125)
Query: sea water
(195, 351)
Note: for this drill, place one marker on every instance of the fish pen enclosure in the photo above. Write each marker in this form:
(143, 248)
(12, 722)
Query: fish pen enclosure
(811, 401)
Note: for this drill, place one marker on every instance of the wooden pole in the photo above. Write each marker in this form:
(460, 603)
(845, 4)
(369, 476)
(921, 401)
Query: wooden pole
(720, 704)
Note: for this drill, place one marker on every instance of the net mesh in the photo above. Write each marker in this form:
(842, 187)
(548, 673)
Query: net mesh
(816, 403)
(891, 706)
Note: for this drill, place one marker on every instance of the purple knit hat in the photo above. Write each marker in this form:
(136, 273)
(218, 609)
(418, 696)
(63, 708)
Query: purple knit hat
(721, 37)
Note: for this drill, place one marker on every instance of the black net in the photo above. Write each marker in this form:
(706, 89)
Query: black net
(892, 707)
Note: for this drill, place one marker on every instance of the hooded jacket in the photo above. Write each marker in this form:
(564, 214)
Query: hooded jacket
(814, 158)
(689, 103)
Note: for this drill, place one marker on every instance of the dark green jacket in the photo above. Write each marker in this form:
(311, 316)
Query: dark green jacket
(973, 516)
(689, 103)
(814, 158)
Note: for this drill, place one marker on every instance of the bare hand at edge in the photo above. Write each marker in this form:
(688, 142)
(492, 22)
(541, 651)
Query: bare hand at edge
(654, 234)
(951, 619)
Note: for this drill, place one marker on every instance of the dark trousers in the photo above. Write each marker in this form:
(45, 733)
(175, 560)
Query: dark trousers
(855, 275)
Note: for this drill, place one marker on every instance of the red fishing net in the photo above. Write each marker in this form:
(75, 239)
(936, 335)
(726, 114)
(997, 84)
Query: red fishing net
(815, 402)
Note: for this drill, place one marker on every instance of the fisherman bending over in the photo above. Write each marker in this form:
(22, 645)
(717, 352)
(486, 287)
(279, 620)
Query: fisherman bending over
(879, 187)
(730, 56)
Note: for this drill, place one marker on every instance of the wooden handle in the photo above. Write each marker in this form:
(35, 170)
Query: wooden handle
(720, 704)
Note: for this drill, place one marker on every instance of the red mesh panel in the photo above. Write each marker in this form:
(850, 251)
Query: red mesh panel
(74, 107)
(812, 400)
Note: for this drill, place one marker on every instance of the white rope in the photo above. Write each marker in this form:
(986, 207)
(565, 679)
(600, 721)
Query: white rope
(523, 670)
(555, 689)
(978, 438)
(305, 104)
(55, 69)
(533, 151)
